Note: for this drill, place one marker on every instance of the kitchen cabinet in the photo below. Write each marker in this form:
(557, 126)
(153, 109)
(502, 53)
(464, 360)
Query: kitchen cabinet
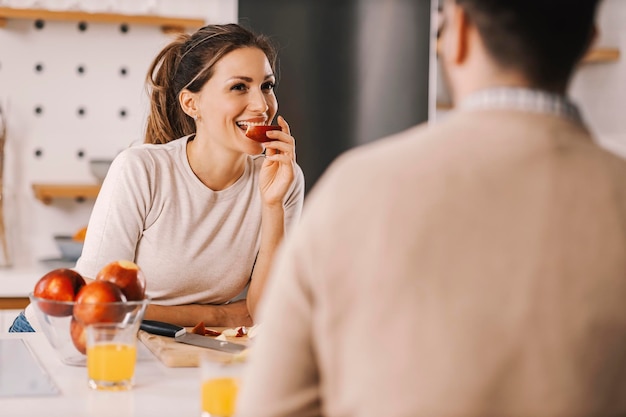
(13, 304)
(167, 24)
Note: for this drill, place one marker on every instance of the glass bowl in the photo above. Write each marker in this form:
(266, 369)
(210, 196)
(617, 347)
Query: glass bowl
(57, 320)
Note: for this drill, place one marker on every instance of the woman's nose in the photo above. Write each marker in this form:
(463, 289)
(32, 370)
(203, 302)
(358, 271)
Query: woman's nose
(258, 102)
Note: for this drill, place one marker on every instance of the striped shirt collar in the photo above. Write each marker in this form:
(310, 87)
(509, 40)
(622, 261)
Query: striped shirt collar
(523, 99)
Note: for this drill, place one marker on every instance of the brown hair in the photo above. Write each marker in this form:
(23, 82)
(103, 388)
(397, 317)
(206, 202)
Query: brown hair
(544, 39)
(187, 63)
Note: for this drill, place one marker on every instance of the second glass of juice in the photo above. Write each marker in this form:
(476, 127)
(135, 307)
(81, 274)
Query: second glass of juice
(220, 379)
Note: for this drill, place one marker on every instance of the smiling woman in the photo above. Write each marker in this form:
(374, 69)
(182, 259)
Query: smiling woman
(201, 207)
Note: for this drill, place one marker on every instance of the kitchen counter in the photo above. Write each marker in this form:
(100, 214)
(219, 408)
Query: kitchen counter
(17, 282)
(158, 390)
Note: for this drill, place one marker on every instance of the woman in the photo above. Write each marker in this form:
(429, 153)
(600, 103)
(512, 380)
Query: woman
(200, 207)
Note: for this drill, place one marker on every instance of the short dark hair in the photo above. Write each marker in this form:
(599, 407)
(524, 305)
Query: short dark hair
(545, 39)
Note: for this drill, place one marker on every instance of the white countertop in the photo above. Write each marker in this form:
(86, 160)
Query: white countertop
(158, 390)
(16, 282)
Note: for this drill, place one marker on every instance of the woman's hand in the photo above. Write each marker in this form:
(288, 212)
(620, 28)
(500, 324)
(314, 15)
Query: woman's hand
(278, 170)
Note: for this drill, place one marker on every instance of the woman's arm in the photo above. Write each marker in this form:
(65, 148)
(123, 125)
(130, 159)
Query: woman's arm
(225, 315)
(276, 179)
(272, 232)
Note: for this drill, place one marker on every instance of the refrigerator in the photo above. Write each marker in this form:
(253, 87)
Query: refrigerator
(349, 71)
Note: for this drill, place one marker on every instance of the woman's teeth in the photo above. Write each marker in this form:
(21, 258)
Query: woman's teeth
(246, 124)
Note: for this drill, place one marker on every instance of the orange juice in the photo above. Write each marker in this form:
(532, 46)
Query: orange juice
(112, 362)
(219, 396)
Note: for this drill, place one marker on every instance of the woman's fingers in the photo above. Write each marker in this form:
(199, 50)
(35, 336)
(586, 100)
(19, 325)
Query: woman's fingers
(280, 157)
(283, 144)
(284, 125)
(284, 134)
(280, 136)
(279, 146)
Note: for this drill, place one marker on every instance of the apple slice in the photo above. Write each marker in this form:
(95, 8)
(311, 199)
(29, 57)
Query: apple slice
(257, 132)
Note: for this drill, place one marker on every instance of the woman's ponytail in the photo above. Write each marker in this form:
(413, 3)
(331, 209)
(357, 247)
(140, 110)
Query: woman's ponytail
(166, 120)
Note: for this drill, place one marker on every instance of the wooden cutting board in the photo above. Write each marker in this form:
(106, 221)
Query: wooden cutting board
(175, 354)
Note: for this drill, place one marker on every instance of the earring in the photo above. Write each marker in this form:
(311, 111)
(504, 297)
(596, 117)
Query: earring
(195, 117)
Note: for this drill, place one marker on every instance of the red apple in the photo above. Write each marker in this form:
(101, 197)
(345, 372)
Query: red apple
(128, 276)
(60, 284)
(93, 303)
(258, 132)
(79, 336)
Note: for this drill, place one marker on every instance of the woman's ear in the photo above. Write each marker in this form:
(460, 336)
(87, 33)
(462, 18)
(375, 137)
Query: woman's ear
(188, 102)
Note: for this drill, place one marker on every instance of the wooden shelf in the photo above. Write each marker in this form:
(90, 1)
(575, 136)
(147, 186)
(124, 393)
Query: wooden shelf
(167, 24)
(598, 55)
(47, 192)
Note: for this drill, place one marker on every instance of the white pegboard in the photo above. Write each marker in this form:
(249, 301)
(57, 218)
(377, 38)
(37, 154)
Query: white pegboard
(39, 67)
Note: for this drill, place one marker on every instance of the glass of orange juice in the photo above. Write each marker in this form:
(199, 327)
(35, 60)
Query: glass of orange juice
(111, 355)
(221, 379)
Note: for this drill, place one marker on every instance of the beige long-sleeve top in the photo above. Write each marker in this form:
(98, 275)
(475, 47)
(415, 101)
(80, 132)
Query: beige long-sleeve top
(473, 268)
(195, 245)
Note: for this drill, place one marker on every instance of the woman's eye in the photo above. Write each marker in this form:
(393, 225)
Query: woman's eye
(268, 86)
(239, 87)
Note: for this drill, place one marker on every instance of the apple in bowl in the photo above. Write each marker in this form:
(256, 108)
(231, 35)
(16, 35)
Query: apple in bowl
(79, 336)
(98, 302)
(62, 285)
(127, 276)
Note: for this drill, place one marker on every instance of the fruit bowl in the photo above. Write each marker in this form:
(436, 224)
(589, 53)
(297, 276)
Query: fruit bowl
(63, 322)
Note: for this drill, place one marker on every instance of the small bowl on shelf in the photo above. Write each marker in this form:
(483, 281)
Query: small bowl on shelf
(69, 247)
(99, 168)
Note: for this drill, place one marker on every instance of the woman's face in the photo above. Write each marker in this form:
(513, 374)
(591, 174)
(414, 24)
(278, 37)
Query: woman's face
(240, 92)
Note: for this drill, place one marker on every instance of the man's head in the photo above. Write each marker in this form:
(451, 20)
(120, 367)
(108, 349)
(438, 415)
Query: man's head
(540, 40)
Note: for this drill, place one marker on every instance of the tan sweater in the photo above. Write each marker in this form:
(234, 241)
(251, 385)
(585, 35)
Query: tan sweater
(473, 268)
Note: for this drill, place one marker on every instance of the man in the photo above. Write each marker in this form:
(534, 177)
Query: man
(472, 268)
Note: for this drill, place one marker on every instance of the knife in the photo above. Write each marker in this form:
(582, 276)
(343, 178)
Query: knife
(181, 335)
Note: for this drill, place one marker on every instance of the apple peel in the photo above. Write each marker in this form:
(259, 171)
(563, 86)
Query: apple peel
(203, 331)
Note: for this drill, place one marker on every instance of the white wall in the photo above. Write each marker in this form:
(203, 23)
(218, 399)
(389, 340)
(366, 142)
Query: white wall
(600, 89)
(66, 140)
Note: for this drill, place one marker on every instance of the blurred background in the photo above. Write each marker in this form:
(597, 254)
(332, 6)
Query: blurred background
(351, 71)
